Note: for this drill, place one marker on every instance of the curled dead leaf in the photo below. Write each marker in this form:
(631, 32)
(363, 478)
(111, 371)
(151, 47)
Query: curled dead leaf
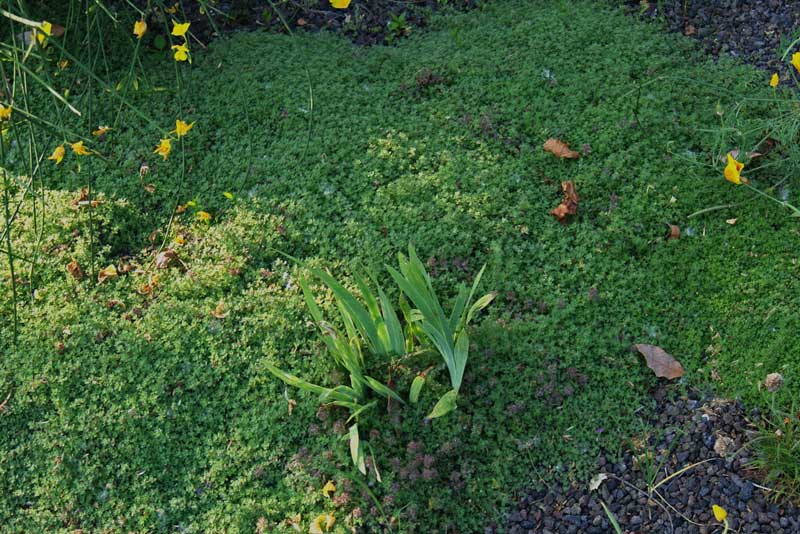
(107, 273)
(219, 313)
(662, 363)
(83, 200)
(569, 204)
(674, 232)
(150, 188)
(167, 258)
(75, 270)
(597, 481)
(560, 149)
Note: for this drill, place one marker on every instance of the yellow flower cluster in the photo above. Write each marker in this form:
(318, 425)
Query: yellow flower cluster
(77, 148)
(182, 50)
(164, 147)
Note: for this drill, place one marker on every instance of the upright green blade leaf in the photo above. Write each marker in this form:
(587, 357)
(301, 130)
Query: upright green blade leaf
(357, 311)
(416, 387)
(458, 308)
(381, 389)
(460, 355)
(445, 405)
(480, 304)
(356, 451)
(397, 342)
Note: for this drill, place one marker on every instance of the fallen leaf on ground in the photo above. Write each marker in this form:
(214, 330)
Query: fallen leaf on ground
(559, 149)
(105, 274)
(730, 221)
(597, 481)
(150, 188)
(689, 30)
(674, 232)
(569, 204)
(662, 364)
(218, 312)
(167, 258)
(83, 200)
(75, 270)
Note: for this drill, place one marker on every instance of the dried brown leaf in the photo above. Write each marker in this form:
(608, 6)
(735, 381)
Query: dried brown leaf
(219, 313)
(674, 232)
(75, 270)
(560, 149)
(662, 364)
(105, 274)
(569, 204)
(167, 258)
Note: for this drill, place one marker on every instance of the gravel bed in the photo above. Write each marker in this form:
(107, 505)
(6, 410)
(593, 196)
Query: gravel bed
(756, 31)
(710, 433)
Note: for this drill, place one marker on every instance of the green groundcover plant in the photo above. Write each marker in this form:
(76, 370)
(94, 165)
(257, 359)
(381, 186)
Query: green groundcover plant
(150, 303)
(375, 326)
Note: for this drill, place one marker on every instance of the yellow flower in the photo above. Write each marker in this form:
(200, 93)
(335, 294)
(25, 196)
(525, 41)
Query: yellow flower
(79, 149)
(5, 112)
(181, 52)
(719, 513)
(139, 28)
(733, 170)
(203, 216)
(58, 154)
(774, 81)
(340, 4)
(179, 30)
(796, 60)
(46, 29)
(329, 488)
(164, 148)
(180, 240)
(322, 524)
(181, 128)
(102, 130)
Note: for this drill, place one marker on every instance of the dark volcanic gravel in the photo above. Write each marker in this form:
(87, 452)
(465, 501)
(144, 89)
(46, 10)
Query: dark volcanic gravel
(748, 29)
(687, 431)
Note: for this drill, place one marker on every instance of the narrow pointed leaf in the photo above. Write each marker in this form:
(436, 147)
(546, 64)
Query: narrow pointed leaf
(445, 405)
(416, 388)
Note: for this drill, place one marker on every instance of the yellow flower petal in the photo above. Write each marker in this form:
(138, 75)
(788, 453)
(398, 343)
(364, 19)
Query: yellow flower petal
(796, 60)
(102, 130)
(329, 488)
(733, 170)
(139, 28)
(321, 524)
(340, 4)
(46, 27)
(79, 149)
(58, 154)
(203, 216)
(181, 53)
(5, 112)
(181, 128)
(719, 512)
(164, 148)
(774, 81)
(179, 30)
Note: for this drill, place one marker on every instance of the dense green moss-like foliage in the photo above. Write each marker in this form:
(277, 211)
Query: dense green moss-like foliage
(133, 408)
